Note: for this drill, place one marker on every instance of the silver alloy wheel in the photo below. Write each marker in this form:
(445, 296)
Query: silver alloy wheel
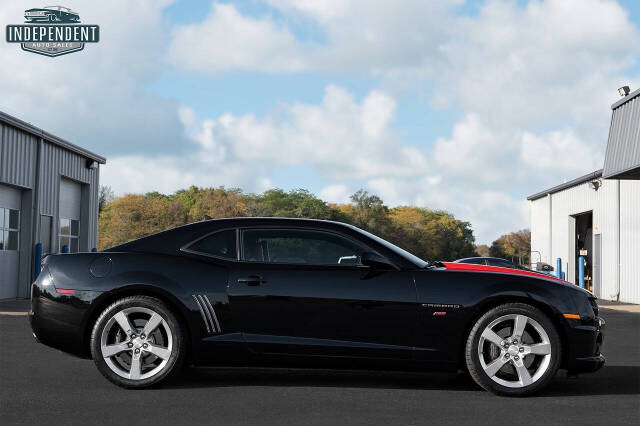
(514, 350)
(136, 343)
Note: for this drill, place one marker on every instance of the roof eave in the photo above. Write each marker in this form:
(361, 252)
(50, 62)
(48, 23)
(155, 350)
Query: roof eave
(575, 182)
(23, 125)
(625, 99)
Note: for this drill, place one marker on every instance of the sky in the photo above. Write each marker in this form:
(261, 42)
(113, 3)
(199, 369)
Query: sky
(463, 106)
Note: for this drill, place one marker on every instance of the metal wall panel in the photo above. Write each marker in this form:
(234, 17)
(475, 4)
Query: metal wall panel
(623, 147)
(36, 162)
(629, 241)
(17, 156)
(70, 199)
(60, 163)
(605, 207)
(9, 259)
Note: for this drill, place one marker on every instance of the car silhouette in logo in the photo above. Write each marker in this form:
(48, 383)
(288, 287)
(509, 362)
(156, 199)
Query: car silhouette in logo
(53, 14)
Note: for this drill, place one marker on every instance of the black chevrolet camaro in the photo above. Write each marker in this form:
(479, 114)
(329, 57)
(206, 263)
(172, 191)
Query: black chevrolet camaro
(308, 293)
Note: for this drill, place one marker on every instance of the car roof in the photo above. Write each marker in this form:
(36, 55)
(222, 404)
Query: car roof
(169, 241)
(483, 258)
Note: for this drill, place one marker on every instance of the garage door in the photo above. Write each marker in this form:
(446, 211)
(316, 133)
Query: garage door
(9, 241)
(69, 227)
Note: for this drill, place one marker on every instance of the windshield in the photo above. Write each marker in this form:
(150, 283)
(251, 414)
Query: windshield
(397, 250)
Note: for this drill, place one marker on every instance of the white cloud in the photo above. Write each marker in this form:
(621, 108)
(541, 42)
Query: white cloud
(97, 97)
(341, 142)
(228, 40)
(543, 153)
(357, 35)
(542, 64)
(532, 83)
(341, 138)
(338, 193)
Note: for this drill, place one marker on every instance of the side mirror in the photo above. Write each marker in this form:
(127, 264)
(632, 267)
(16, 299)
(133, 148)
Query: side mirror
(545, 267)
(376, 261)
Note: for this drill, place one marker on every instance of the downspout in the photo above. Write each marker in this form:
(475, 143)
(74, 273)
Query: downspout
(35, 228)
(550, 230)
(619, 244)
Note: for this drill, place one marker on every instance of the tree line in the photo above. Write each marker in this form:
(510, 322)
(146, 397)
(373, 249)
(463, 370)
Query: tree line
(429, 234)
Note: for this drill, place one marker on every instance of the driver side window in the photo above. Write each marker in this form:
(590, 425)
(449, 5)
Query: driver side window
(299, 247)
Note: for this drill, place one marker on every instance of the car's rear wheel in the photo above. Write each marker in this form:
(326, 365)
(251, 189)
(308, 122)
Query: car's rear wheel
(137, 342)
(513, 349)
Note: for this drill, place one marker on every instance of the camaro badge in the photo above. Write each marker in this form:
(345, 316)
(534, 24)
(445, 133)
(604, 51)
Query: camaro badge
(441, 305)
(52, 31)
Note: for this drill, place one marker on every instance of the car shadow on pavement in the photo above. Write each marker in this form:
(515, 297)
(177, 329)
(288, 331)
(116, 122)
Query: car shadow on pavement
(250, 376)
(611, 380)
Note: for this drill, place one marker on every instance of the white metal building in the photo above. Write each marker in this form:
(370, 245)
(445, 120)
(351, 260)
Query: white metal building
(48, 195)
(597, 216)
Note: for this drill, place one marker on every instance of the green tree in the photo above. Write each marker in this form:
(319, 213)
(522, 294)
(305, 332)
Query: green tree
(295, 203)
(369, 213)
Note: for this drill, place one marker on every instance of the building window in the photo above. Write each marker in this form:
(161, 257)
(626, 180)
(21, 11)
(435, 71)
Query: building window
(68, 235)
(9, 229)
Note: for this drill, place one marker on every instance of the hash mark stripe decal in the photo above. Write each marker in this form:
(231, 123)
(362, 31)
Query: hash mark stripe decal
(213, 311)
(204, 318)
(206, 311)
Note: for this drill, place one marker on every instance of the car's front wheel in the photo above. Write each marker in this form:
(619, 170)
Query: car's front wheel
(513, 349)
(137, 342)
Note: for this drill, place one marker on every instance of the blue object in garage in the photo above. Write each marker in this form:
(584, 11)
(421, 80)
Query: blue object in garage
(93, 250)
(65, 249)
(581, 271)
(37, 260)
(559, 268)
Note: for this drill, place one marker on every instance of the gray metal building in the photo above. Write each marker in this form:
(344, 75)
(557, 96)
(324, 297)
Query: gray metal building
(48, 194)
(597, 216)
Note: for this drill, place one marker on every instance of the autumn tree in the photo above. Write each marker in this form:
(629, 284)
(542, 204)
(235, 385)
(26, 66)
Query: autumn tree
(483, 250)
(515, 246)
(134, 216)
(434, 235)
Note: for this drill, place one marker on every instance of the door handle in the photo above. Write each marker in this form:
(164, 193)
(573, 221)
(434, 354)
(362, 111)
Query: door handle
(252, 280)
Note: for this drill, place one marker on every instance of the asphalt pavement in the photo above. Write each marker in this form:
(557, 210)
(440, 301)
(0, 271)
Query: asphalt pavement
(40, 385)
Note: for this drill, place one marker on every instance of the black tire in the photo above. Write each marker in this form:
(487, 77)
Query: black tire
(474, 365)
(174, 362)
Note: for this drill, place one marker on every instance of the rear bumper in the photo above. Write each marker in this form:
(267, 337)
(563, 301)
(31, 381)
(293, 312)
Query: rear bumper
(50, 331)
(58, 320)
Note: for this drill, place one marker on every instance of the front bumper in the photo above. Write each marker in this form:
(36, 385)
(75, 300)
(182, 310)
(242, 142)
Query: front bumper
(589, 364)
(585, 347)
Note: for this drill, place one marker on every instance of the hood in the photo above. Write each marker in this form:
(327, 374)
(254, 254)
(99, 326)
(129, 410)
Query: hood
(451, 266)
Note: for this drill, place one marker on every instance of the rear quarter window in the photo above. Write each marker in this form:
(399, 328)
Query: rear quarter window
(220, 244)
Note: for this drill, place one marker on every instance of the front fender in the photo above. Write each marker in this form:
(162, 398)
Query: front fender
(452, 301)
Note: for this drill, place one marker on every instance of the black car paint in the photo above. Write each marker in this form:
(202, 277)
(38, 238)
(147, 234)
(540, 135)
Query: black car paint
(352, 316)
